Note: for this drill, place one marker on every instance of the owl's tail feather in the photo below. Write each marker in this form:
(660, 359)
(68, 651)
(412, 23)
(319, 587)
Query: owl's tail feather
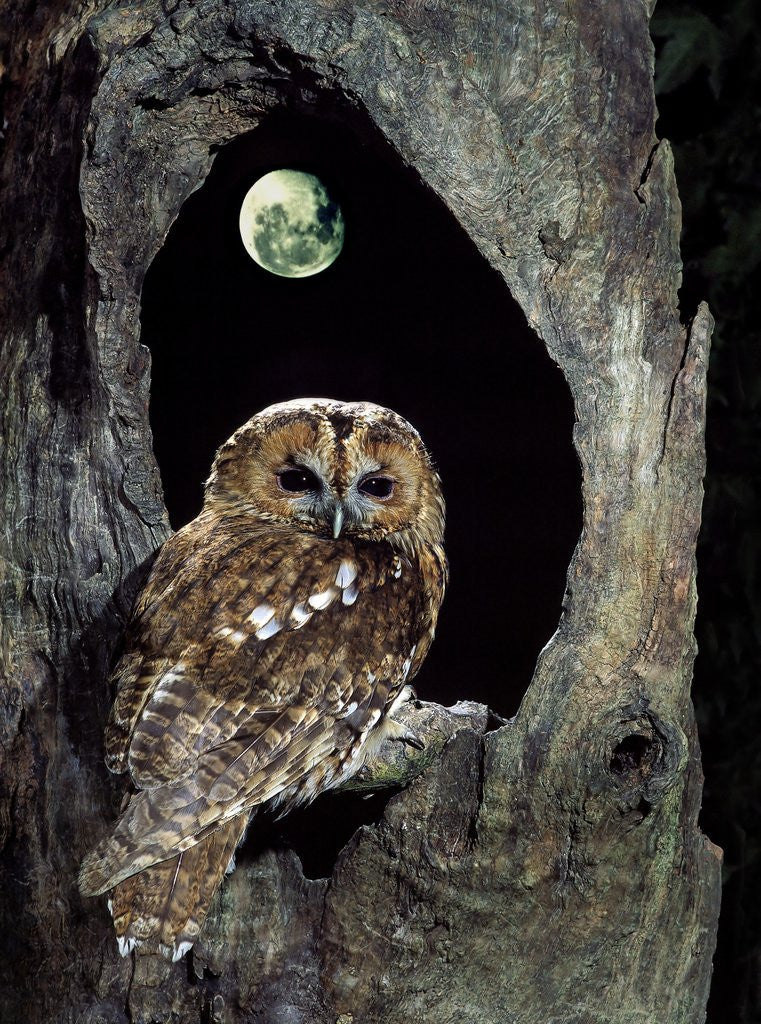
(154, 826)
(164, 821)
(167, 903)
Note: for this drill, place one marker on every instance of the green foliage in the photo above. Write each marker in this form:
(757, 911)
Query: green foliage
(708, 84)
(692, 42)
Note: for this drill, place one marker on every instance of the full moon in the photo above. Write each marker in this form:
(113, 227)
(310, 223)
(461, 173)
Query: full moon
(290, 225)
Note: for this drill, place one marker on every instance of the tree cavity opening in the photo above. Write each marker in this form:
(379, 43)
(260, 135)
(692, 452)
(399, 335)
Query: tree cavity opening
(632, 754)
(410, 316)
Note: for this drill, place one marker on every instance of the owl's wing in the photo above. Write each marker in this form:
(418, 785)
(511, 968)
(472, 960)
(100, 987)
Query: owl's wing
(272, 698)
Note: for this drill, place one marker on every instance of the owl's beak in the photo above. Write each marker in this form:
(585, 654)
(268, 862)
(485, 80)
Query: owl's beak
(338, 521)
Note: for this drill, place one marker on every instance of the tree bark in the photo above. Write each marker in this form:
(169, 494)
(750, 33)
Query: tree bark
(550, 869)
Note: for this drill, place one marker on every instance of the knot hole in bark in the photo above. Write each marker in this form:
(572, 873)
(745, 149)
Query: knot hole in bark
(646, 754)
(633, 754)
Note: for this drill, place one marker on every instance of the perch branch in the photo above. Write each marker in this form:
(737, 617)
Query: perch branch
(398, 763)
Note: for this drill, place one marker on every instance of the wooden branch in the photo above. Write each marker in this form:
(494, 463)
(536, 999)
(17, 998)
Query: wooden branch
(398, 763)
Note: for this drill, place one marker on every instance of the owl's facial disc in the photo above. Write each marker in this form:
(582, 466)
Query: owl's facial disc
(332, 468)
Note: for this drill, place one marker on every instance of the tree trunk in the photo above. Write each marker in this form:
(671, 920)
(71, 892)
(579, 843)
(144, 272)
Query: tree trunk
(547, 870)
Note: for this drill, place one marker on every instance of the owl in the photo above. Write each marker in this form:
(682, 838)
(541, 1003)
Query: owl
(268, 650)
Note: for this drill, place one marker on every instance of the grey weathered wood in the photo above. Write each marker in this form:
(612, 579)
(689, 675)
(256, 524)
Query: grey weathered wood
(551, 870)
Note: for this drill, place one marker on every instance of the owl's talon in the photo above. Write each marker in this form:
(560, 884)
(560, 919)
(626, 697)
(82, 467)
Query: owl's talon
(408, 736)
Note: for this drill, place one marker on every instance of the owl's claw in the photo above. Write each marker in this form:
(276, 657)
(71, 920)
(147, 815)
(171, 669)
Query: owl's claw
(398, 731)
(408, 736)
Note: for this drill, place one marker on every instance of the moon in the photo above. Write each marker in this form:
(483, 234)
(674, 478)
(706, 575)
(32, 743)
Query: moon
(290, 224)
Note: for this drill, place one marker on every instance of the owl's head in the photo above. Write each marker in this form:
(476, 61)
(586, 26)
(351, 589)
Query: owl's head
(331, 468)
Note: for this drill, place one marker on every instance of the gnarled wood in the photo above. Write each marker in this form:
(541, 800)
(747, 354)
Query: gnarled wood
(550, 870)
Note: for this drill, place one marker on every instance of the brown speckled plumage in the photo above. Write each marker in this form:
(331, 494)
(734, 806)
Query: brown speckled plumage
(264, 653)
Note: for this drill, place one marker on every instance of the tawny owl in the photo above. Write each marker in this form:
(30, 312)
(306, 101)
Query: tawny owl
(268, 649)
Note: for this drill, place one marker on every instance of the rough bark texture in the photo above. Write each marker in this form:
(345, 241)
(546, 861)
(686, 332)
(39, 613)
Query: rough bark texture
(550, 870)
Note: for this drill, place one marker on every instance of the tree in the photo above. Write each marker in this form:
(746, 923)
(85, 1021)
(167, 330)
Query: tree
(551, 869)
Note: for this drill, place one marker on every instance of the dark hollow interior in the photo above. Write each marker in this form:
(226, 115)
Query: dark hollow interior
(410, 316)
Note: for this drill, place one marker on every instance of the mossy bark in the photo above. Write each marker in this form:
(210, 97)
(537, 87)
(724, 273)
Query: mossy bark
(549, 870)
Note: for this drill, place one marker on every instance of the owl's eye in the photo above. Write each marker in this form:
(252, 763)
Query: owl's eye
(297, 480)
(377, 486)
